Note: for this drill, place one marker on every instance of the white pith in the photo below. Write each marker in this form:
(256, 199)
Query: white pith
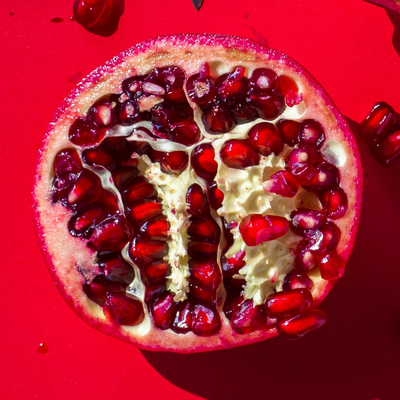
(60, 253)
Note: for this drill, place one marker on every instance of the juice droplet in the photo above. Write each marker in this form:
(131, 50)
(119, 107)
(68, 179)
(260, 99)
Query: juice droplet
(43, 348)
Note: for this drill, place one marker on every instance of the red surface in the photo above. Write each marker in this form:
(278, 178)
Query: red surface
(352, 48)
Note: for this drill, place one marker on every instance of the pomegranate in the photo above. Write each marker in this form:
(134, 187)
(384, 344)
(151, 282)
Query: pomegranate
(198, 192)
(393, 5)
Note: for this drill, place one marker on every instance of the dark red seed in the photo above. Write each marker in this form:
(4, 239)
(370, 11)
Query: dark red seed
(268, 106)
(205, 273)
(200, 88)
(256, 229)
(263, 80)
(85, 190)
(328, 177)
(84, 132)
(282, 183)
(388, 150)
(218, 119)
(124, 309)
(174, 162)
(156, 228)
(334, 203)
(332, 266)
(232, 86)
(233, 300)
(199, 295)
(305, 260)
(247, 317)
(185, 132)
(204, 229)
(104, 111)
(202, 249)
(97, 156)
(303, 155)
(116, 269)
(239, 154)
(163, 310)
(206, 320)
(266, 138)
(111, 234)
(203, 161)
(153, 291)
(233, 264)
(305, 174)
(317, 245)
(243, 113)
(139, 189)
(67, 164)
(289, 130)
(331, 234)
(288, 302)
(215, 196)
(83, 221)
(296, 327)
(142, 251)
(311, 133)
(155, 272)
(289, 89)
(296, 279)
(124, 175)
(183, 318)
(196, 200)
(97, 289)
(89, 12)
(129, 112)
(143, 211)
(306, 219)
(132, 86)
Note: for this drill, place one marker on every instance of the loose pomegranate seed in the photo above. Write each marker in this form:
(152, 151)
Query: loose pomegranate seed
(289, 89)
(334, 203)
(282, 183)
(155, 272)
(202, 249)
(266, 138)
(288, 302)
(232, 86)
(183, 319)
(263, 80)
(311, 133)
(200, 88)
(143, 211)
(116, 269)
(206, 320)
(289, 130)
(139, 189)
(129, 112)
(247, 317)
(204, 229)
(124, 309)
(163, 310)
(297, 280)
(196, 200)
(89, 12)
(256, 229)
(215, 196)
(205, 273)
(306, 219)
(85, 190)
(388, 150)
(268, 106)
(156, 228)
(203, 161)
(112, 234)
(332, 266)
(378, 123)
(84, 132)
(142, 251)
(239, 154)
(296, 327)
(218, 119)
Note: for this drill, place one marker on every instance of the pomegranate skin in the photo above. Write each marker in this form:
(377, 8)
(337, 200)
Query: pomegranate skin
(102, 81)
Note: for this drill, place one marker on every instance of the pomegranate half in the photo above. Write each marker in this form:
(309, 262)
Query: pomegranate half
(198, 192)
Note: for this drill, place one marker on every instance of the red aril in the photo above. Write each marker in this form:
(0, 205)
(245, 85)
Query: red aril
(181, 224)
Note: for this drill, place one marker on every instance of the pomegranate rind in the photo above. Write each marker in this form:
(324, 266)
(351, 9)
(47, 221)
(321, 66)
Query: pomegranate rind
(63, 253)
(388, 4)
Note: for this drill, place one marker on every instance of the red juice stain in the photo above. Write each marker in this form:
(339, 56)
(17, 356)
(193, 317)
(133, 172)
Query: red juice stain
(57, 20)
(43, 348)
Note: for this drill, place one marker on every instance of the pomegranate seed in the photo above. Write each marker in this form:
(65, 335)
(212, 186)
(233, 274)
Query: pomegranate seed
(233, 300)
(140, 148)
(388, 150)
(289, 89)
(317, 245)
(100, 286)
(183, 318)
(156, 228)
(218, 119)
(104, 112)
(247, 318)
(203, 161)
(84, 132)
(205, 274)
(303, 155)
(202, 249)
(243, 113)
(67, 164)
(199, 295)
(311, 133)
(153, 291)
(116, 269)
(83, 221)
(306, 219)
(305, 260)
(200, 88)
(206, 320)
(155, 272)
(89, 12)
(332, 266)
(282, 183)
(112, 234)
(142, 251)
(139, 189)
(129, 112)
(239, 154)
(174, 162)
(97, 156)
(232, 267)
(124, 309)
(85, 190)
(266, 138)
(268, 106)
(123, 176)
(185, 132)
(263, 80)
(215, 196)
(305, 174)
(143, 211)
(296, 327)
(232, 86)
(289, 130)
(256, 229)
(331, 235)
(334, 203)
(162, 310)
(378, 123)
(288, 302)
(297, 280)
(133, 86)
(196, 200)
(204, 229)
(328, 177)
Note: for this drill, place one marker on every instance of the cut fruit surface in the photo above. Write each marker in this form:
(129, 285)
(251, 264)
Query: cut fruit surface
(206, 192)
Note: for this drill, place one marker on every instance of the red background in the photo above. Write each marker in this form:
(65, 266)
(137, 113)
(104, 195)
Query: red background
(352, 48)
